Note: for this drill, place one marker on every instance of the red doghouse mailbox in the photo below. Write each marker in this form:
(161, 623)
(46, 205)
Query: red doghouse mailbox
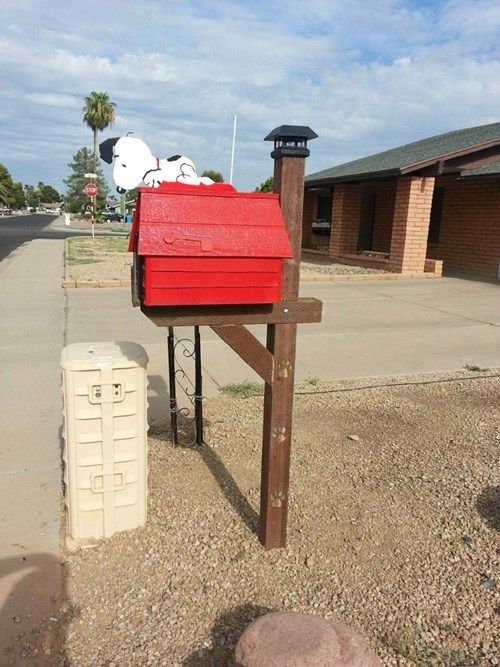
(207, 245)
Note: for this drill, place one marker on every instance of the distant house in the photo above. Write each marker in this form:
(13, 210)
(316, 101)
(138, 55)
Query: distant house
(55, 207)
(405, 209)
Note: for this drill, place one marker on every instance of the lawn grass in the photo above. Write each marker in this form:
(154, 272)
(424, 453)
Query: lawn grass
(243, 389)
(92, 251)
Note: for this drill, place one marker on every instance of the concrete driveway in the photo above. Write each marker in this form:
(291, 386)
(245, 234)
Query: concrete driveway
(368, 329)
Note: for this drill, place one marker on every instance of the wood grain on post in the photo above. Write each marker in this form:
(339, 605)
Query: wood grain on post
(281, 342)
(306, 309)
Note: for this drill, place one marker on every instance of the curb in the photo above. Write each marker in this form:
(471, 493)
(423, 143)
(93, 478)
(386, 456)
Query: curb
(85, 232)
(366, 277)
(68, 284)
(355, 278)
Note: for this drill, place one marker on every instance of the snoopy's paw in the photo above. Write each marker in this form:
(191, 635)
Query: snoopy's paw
(152, 180)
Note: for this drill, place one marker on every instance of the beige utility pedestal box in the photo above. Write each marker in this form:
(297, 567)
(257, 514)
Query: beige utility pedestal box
(105, 437)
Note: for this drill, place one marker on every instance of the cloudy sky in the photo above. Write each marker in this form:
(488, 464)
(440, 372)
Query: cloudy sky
(364, 74)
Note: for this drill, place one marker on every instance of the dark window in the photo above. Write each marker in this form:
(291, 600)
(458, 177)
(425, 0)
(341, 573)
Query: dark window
(325, 207)
(321, 225)
(366, 217)
(436, 211)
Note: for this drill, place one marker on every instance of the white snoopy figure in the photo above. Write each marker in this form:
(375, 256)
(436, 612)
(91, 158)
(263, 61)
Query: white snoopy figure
(135, 164)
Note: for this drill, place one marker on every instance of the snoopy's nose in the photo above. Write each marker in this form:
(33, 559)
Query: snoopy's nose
(121, 191)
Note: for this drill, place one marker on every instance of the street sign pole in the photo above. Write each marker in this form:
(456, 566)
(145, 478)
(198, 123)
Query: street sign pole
(91, 190)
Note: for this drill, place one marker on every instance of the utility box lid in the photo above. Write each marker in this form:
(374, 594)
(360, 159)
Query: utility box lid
(120, 354)
(178, 220)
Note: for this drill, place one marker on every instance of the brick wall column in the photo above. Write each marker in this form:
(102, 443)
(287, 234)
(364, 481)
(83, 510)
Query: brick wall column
(410, 226)
(345, 219)
(309, 214)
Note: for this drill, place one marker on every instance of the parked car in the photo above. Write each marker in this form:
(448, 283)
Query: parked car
(111, 216)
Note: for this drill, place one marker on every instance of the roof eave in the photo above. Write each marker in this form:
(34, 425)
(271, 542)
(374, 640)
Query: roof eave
(366, 176)
(470, 177)
(448, 156)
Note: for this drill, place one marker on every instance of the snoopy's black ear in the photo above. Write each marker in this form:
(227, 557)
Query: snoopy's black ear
(106, 149)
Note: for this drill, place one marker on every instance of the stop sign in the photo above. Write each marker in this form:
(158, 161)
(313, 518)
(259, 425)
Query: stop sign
(91, 190)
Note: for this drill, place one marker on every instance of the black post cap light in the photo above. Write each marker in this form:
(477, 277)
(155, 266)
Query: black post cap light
(290, 140)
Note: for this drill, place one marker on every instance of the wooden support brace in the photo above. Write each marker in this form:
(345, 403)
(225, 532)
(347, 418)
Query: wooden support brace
(293, 311)
(249, 349)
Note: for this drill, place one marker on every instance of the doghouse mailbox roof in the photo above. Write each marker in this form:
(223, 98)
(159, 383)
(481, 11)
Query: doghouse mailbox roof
(208, 220)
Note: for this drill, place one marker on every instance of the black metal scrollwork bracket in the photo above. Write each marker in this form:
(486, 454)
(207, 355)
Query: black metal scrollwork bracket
(177, 377)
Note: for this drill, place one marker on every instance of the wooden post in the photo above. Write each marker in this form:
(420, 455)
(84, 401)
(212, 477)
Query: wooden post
(281, 342)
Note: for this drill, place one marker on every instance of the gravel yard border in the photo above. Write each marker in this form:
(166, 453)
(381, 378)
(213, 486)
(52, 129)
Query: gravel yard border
(108, 263)
(310, 272)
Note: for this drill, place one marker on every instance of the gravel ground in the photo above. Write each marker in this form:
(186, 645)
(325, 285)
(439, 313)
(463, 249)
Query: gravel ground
(98, 259)
(393, 530)
(335, 269)
(115, 265)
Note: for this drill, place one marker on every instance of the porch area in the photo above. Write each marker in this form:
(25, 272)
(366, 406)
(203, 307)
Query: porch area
(413, 210)
(380, 225)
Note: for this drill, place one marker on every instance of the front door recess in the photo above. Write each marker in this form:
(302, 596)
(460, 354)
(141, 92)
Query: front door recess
(366, 217)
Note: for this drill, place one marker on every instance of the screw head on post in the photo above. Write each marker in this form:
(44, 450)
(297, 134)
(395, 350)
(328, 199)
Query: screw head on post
(290, 140)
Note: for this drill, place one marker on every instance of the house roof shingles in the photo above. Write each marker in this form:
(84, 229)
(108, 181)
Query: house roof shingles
(394, 160)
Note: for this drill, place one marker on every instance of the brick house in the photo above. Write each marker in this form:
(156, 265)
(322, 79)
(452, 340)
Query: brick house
(415, 208)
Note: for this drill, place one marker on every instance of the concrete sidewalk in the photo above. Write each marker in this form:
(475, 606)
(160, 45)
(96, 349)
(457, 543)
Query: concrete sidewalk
(31, 337)
(368, 329)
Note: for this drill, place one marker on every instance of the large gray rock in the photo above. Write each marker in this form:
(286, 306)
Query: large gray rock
(289, 639)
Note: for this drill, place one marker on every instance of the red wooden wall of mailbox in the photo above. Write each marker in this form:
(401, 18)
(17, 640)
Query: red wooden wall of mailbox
(209, 245)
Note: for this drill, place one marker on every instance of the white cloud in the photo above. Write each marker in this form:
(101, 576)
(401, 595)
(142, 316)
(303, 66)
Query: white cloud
(54, 100)
(365, 75)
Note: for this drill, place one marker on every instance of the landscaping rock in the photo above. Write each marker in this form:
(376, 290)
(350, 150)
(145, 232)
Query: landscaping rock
(289, 639)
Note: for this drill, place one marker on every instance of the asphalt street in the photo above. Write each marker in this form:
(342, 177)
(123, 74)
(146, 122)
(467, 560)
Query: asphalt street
(18, 229)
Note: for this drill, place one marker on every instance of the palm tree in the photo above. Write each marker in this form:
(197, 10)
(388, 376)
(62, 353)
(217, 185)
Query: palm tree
(98, 113)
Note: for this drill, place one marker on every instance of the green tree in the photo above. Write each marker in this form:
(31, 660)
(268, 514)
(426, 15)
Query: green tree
(31, 195)
(11, 194)
(4, 194)
(47, 194)
(18, 194)
(216, 176)
(98, 114)
(6, 187)
(266, 186)
(76, 199)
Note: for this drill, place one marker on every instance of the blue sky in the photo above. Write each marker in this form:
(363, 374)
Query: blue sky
(364, 74)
